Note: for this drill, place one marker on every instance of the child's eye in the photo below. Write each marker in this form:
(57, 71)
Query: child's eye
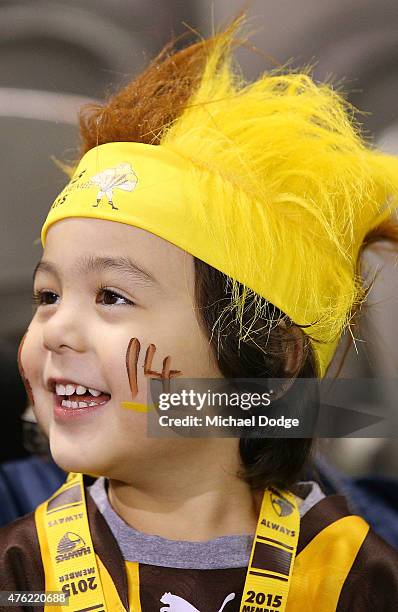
(44, 298)
(111, 298)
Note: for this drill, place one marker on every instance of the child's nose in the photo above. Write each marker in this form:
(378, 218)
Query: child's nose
(65, 330)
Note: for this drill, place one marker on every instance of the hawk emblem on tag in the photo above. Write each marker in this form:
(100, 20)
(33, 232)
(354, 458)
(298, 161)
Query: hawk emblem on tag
(280, 504)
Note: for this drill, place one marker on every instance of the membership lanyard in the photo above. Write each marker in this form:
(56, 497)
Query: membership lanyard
(71, 567)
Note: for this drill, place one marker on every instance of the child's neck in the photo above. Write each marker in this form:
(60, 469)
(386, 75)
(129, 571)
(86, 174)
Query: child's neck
(199, 507)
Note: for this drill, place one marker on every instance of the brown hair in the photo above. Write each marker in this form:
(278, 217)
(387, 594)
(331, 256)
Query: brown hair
(141, 112)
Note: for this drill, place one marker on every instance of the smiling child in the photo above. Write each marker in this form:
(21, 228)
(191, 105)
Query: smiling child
(211, 229)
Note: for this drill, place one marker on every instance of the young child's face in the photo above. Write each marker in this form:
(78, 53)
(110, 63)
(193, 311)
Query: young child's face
(92, 303)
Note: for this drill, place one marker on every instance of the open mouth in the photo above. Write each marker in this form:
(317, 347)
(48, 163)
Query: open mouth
(71, 395)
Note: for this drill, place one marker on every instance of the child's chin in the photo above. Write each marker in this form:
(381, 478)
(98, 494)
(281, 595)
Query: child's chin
(70, 461)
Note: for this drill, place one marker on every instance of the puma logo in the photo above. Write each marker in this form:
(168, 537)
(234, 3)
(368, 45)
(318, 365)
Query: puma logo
(178, 604)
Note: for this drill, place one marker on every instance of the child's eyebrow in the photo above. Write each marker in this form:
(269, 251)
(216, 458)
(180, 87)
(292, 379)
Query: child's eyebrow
(90, 263)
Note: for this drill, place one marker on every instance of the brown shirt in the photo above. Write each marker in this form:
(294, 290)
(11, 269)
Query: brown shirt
(371, 585)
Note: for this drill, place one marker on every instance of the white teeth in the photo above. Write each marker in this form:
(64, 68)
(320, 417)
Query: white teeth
(60, 389)
(70, 389)
(69, 404)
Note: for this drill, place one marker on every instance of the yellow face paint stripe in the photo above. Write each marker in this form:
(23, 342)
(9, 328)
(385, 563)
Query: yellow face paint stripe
(138, 407)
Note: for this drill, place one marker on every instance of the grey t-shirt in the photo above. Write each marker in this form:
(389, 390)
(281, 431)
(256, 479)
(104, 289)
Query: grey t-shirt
(218, 553)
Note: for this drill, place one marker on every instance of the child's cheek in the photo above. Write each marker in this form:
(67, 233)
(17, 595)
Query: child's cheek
(25, 380)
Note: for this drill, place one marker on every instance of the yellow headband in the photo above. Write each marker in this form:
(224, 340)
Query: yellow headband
(268, 182)
(157, 190)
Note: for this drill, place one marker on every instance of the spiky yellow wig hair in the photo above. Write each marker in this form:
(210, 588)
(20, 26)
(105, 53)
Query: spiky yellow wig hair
(269, 182)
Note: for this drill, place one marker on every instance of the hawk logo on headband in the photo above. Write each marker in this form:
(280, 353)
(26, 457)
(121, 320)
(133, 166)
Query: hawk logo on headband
(121, 176)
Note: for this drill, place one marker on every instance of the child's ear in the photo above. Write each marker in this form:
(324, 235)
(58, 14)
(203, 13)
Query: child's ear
(293, 343)
(293, 346)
